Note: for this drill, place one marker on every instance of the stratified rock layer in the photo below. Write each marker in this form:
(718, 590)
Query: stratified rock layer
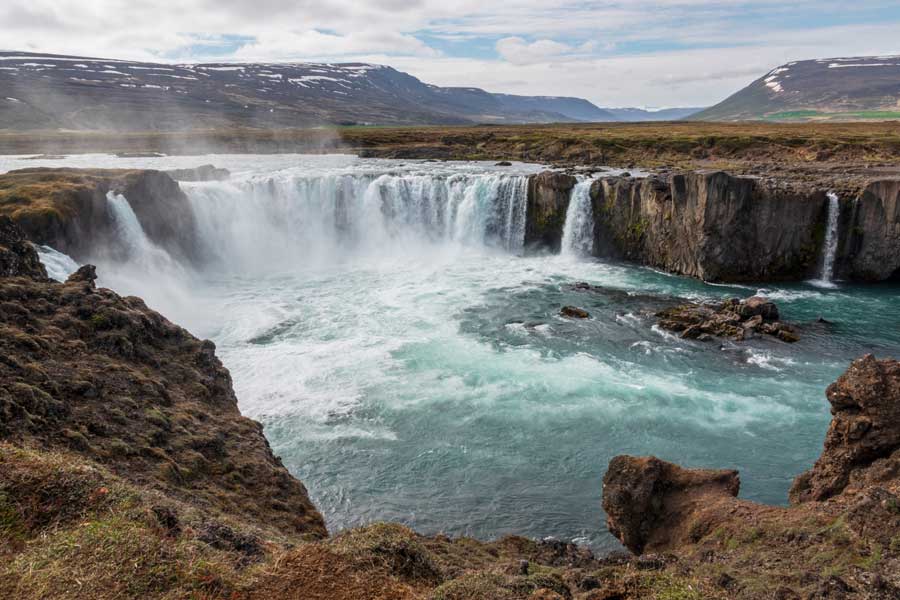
(870, 234)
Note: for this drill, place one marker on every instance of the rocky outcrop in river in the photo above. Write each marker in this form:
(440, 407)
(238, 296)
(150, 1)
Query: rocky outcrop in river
(548, 200)
(735, 319)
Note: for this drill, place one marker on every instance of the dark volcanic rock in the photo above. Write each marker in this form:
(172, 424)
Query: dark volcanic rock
(18, 258)
(573, 312)
(734, 319)
(869, 247)
(89, 372)
(710, 225)
(548, 201)
(863, 442)
(647, 500)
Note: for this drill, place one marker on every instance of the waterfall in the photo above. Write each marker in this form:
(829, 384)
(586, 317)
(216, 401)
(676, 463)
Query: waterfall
(59, 266)
(133, 244)
(262, 221)
(829, 250)
(578, 232)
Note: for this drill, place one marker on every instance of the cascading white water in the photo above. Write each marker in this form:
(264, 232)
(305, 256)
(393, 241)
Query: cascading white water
(578, 232)
(138, 248)
(59, 266)
(266, 220)
(829, 250)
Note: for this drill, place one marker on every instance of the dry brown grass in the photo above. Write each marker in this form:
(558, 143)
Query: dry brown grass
(648, 144)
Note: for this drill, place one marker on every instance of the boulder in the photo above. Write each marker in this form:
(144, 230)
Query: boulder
(86, 274)
(648, 502)
(758, 306)
(863, 442)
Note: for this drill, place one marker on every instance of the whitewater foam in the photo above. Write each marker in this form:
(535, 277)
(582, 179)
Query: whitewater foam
(59, 266)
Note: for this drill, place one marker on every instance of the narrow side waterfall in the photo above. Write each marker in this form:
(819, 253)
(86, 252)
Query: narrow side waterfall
(264, 221)
(829, 249)
(133, 241)
(59, 266)
(578, 232)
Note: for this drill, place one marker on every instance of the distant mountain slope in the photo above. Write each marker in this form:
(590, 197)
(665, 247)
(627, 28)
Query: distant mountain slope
(576, 108)
(826, 89)
(638, 115)
(43, 91)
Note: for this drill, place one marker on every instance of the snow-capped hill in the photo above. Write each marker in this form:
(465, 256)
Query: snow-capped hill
(43, 91)
(826, 89)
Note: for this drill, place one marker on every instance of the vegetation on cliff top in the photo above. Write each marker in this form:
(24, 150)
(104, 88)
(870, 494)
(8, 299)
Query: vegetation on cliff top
(683, 144)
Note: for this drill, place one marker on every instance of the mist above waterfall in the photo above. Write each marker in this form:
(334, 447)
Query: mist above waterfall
(294, 214)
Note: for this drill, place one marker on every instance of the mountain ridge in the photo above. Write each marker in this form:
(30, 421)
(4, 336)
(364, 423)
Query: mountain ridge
(843, 88)
(49, 91)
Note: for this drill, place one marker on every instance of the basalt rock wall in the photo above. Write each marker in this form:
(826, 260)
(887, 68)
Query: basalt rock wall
(710, 225)
(548, 201)
(869, 247)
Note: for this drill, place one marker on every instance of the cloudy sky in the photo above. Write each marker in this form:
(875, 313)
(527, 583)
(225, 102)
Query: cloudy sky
(637, 53)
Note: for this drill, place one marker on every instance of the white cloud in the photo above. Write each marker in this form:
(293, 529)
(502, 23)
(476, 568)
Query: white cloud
(519, 52)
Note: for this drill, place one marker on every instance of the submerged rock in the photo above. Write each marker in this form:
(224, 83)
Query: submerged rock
(735, 319)
(573, 312)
